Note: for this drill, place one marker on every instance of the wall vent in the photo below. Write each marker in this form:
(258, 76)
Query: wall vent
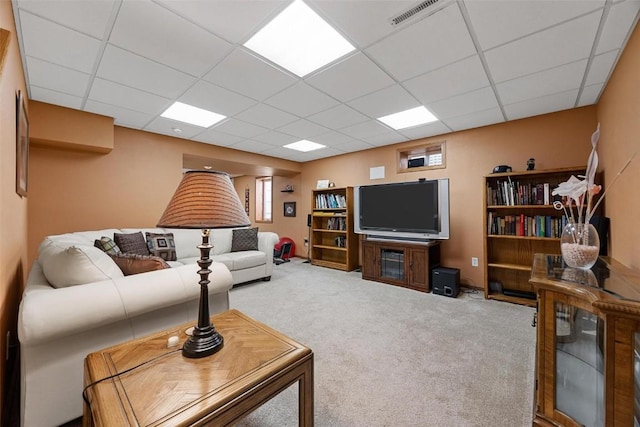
(411, 12)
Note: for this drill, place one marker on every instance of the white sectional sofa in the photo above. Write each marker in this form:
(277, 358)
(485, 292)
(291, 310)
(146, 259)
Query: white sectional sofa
(77, 301)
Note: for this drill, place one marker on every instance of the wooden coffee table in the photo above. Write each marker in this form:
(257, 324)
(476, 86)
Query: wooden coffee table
(165, 388)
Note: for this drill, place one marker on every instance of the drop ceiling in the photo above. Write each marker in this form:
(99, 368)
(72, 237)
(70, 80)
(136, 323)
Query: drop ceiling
(470, 62)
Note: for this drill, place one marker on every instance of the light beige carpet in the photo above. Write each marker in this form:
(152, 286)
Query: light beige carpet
(389, 356)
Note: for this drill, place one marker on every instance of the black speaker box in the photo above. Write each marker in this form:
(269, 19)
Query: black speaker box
(445, 281)
(417, 162)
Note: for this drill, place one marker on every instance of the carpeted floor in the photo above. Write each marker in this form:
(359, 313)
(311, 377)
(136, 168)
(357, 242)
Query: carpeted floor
(389, 356)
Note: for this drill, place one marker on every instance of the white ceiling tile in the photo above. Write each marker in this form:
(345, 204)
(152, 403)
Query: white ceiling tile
(276, 138)
(601, 67)
(285, 153)
(476, 119)
(590, 94)
(547, 82)
(166, 81)
(617, 26)
(353, 77)
(543, 50)
(497, 22)
(429, 44)
(56, 98)
(173, 128)
(353, 145)
(89, 17)
(542, 105)
(54, 43)
(266, 116)
(240, 128)
(424, 131)
(232, 20)
(392, 99)
(122, 116)
(215, 137)
(303, 129)
(362, 28)
(252, 146)
(332, 138)
(216, 99)
(477, 100)
(126, 97)
(302, 100)
(68, 81)
(244, 73)
(459, 77)
(387, 138)
(338, 117)
(321, 154)
(154, 32)
(365, 130)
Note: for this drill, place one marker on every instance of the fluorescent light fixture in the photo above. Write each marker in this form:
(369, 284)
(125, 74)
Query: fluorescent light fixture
(192, 115)
(408, 118)
(299, 40)
(304, 145)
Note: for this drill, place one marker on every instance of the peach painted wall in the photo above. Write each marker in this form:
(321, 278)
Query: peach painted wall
(619, 115)
(554, 140)
(13, 208)
(128, 187)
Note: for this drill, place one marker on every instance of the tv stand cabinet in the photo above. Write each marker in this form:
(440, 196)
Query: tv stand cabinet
(405, 264)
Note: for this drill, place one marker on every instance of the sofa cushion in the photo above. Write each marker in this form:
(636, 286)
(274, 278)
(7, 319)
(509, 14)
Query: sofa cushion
(244, 239)
(135, 264)
(107, 245)
(221, 240)
(161, 245)
(75, 265)
(241, 260)
(131, 243)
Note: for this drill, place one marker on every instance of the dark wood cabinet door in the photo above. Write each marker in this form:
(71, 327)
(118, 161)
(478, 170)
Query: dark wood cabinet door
(418, 271)
(370, 265)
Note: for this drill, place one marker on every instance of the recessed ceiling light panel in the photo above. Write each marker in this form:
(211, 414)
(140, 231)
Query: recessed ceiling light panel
(304, 145)
(299, 40)
(409, 118)
(192, 115)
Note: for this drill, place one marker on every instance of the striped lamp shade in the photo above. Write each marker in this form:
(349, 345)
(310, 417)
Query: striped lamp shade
(204, 199)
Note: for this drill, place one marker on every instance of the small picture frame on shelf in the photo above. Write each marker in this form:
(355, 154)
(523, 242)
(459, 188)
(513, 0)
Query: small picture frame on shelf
(290, 209)
(322, 183)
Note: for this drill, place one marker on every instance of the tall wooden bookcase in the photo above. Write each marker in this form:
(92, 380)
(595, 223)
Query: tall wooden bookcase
(519, 221)
(333, 243)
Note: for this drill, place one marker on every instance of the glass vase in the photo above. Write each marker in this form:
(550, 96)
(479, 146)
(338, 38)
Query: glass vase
(580, 245)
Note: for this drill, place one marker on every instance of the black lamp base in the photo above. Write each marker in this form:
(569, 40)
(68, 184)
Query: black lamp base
(203, 342)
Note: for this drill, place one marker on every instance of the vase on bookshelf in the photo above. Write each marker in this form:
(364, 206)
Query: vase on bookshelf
(580, 245)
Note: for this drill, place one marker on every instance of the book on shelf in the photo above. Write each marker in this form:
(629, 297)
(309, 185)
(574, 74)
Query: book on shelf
(525, 226)
(514, 193)
(330, 201)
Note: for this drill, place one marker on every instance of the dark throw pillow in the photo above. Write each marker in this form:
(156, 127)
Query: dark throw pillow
(131, 243)
(244, 239)
(107, 245)
(161, 245)
(135, 264)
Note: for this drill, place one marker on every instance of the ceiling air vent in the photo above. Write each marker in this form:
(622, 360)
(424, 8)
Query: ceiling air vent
(413, 11)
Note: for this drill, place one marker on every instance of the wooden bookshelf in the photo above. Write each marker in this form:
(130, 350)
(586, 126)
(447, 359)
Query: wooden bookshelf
(334, 243)
(519, 221)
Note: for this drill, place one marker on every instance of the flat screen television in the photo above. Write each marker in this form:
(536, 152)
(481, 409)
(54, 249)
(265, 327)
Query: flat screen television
(416, 210)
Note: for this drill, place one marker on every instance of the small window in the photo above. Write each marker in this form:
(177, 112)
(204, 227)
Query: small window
(264, 199)
(421, 157)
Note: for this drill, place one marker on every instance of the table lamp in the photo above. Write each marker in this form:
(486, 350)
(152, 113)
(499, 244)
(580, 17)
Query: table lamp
(204, 199)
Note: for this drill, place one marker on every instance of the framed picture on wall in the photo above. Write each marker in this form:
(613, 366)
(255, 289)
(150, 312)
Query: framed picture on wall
(289, 208)
(22, 146)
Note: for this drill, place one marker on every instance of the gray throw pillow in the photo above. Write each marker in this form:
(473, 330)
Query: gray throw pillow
(131, 243)
(162, 245)
(244, 239)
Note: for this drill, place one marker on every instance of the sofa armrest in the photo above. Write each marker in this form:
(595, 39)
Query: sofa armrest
(47, 313)
(266, 242)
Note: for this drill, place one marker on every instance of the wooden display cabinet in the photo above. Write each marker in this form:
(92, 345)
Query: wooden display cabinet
(333, 243)
(588, 344)
(519, 221)
(400, 263)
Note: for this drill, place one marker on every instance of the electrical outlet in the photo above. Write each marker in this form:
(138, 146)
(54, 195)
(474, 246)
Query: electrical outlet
(474, 261)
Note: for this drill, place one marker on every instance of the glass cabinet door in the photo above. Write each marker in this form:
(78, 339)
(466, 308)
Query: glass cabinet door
(579, 364)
